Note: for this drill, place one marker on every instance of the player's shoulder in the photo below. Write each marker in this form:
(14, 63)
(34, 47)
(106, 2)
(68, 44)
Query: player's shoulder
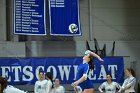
(61, 86)
(49, 82)
(104, 83)
(85, 64)
(45, 80)
(132, 79)
(113, 82)
(37, 81)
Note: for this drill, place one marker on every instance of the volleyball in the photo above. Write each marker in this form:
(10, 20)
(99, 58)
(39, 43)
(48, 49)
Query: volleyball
(73, 28)
(78, 89)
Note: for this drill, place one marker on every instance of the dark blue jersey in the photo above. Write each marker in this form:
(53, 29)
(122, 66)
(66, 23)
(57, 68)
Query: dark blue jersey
(83, 69)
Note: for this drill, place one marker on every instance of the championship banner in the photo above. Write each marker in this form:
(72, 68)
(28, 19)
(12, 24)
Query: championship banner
(64, 17)
(25, 70)
(29, 17)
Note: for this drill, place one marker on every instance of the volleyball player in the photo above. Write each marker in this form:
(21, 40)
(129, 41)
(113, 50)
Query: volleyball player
(41, 84)
(49, 78)
(109, 86)
(129, 82)
(82, 79)
(5, 88)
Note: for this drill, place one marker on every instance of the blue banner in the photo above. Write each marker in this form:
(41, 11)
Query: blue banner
(64, 17)
(29, 17)
(25, 70)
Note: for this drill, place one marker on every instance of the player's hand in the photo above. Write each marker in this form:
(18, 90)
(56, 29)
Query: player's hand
(87, 52)
(100, 59)
(74, 84)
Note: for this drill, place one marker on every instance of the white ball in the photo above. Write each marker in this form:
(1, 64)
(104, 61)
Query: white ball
(78, 89)
(87, 52)
(73, 28)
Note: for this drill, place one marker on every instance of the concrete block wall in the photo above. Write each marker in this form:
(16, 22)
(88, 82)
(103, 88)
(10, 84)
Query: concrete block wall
(3, 20)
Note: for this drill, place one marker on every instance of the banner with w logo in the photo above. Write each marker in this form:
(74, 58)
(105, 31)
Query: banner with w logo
(64, 17)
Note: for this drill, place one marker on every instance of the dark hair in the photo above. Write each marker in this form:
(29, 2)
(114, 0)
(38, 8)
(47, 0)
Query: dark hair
(3, 83)
(41, 72)
(131, 71)
(110, 75)
(90, 63)
(49, 75)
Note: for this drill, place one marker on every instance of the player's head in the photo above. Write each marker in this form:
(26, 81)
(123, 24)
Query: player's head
(57, 82)
(89, 59)
(86, 57)
(109, 77)
(49, 76)
(129, 71)
(3, 84)
(41, 75)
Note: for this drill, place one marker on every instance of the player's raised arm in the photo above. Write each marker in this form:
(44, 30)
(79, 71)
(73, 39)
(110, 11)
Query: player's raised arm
(94, 55)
